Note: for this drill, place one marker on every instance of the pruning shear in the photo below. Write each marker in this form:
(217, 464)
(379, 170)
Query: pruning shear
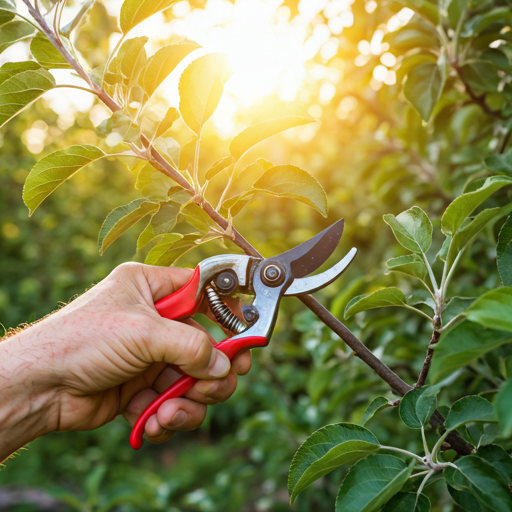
(267, 279)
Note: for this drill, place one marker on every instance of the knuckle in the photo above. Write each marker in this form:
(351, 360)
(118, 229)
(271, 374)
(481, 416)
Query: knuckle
(200, 349)
(127, 268)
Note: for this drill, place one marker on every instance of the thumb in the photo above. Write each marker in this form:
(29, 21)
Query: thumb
(189, 348)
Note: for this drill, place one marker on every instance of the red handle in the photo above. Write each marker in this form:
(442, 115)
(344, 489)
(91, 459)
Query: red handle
(177, 306)
(230, 347)
(182, 303)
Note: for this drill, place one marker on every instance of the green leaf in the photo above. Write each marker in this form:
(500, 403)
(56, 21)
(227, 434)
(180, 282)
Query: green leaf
(246, 179)
(220, 165)
(408, 38)
(418, 405)
(468, 231)
(66, 30)
(150, 182)
(372, 482)
(407, 502)
(121, 124)
(423, 7)
(455, 9)
(7, 11)
(469, 409)
(201, 86)
(412, 229)
(21, 83)
(377, 405)
(478, 477)
(164, 220)
(168, 146)
(460, 208)
(171, 247)
(325, 450)
(493, 309)
(145, 237)
(162, 63)
(121, 219)
(411, 265)
(46, 54)
(424, 85)
(462, 345)
(134, 12)
(14, 31)
(187, 154)
(481, 434)
(500, 163)
(478, 23)
(127, 65)
(379, 299)
(197, 217)
(455, 306)
(467, 501)
(481, 75)
(171, 115)
(263, 130)
(504, 253)
(295, 183)
(502, 403)
(55, 168)
(499, 459)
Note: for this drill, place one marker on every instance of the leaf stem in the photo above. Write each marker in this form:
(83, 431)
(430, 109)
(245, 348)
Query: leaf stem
(69, 86)
(437, 446)
(405, 452)
(430, 273)
(416, 310)
(422, 485)
(110, 57)
(453, 321)
(424, 439)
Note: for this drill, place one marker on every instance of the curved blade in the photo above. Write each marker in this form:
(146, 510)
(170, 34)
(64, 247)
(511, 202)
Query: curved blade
(313, 283)
(308, 256)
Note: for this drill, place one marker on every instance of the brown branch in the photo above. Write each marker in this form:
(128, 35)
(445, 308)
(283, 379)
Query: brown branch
(359, 349)
(436, 334)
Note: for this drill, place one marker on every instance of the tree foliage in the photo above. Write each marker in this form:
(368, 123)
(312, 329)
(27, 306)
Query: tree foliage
(428, 156)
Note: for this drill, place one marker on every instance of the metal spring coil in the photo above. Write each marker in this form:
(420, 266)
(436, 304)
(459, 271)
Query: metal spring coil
(222, 313)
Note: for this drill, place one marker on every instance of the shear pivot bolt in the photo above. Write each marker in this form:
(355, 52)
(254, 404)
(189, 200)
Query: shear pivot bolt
(226, 283)
(272, 275)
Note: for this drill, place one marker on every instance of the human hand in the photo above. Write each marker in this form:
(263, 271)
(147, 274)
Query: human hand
(109, 352)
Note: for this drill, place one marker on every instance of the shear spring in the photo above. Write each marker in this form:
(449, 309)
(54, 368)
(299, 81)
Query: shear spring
(222, 313)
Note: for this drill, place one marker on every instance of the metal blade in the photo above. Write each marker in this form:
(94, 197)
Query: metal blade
(308, 256)
(313, 283)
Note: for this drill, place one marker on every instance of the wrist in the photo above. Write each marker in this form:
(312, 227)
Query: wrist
(27, 402)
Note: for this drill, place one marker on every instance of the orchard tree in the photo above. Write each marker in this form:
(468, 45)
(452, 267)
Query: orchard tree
(454, 60)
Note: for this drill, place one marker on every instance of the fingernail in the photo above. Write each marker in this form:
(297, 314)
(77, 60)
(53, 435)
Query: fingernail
(220, 366)
(179, 419)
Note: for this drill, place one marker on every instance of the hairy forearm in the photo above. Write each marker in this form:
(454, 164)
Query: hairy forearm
(25, 398)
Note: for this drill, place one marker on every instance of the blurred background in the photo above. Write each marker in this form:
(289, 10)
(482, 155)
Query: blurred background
(373, 155)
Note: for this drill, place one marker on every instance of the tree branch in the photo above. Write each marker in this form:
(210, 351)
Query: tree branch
(161, 164)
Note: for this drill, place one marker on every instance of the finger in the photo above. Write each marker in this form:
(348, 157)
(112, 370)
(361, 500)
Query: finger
(241, 363)
(213, 391)
(185, 346)
(165, 280)
(178, 414)
(204, 391)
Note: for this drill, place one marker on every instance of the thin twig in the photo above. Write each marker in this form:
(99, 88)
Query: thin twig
(436, 335)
